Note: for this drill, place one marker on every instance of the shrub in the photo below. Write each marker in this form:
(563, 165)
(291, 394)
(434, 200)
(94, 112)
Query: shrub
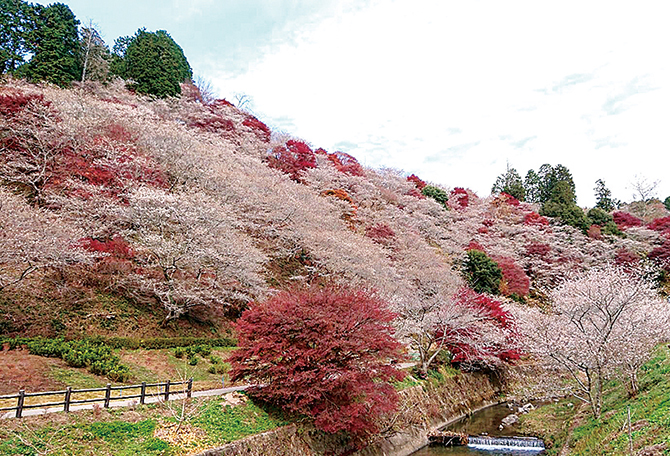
(436, 193)
(482, 273)
(179, 352)
(598, 216)
(625, 220)
(661, 225)
(193, 360)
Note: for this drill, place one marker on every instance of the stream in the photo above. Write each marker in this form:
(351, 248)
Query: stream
(485, 421)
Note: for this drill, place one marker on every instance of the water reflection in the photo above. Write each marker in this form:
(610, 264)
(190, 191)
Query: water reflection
(485, 421)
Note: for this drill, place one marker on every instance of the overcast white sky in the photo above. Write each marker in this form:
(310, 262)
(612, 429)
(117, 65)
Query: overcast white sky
(449, 90)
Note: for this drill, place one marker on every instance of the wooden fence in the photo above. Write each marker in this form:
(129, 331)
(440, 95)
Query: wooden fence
(69, 393)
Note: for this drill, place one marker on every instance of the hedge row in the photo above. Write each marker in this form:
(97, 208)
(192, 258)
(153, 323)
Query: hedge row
(97, 357)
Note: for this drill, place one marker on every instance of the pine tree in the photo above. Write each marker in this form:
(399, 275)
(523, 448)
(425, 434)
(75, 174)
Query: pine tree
(57, 48)
(154, 62)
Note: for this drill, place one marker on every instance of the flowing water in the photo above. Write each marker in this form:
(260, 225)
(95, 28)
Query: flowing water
(496, 442)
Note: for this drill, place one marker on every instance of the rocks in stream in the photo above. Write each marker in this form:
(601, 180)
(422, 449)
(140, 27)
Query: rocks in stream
(514, 417)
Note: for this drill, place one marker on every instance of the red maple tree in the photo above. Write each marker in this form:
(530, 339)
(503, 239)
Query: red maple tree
(325, 353)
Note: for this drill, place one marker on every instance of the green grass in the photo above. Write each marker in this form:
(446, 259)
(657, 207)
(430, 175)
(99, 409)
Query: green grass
(105, 432)
(650, 416)
(224, 423)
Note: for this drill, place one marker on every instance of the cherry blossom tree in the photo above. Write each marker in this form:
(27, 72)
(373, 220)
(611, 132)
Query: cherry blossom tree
(603, 322)
(33, 239)
(192, 252)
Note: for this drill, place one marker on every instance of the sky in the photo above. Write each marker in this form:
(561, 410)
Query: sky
(453, 91)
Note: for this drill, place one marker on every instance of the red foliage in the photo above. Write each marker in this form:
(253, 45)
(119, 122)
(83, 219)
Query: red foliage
(625, 220)
(416, 193)
(214, 124)
(85, 166)
(292, 159)
(258, 127)
(12, 103)
(595, 232)
(380, 233)
(488, 223)
(461, 197)
(323, 353)
(346, 163)
(119, 133)
(504, 320)
(116, 247)
(515, 281)
(538, 249)
(483, 230)
(474, 245)
(509, 199)
(535, 219)
(420, 184)
(661, 254)
(661, 225)
(625, 257)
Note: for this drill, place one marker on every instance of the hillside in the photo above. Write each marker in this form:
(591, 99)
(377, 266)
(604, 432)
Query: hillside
(123, 215)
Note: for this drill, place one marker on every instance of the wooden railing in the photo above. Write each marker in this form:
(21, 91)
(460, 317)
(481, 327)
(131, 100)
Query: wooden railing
(163, 392)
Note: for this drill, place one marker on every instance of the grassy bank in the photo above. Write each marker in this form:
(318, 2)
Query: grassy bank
(569, 422)
(147, 430)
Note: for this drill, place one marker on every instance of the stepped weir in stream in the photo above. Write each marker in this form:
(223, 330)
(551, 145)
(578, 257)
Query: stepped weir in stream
(506, 443)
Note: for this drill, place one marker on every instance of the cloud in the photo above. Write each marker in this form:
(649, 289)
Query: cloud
(452, 90)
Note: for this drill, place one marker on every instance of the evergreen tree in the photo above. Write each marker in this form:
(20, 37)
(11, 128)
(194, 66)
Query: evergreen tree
(510, 182)
(603, 197)
(436, 193)
(57, 47)
(561, 205)
(532, 186)
(667, 203)
(17, 22)
(482, 273)
(154, 62)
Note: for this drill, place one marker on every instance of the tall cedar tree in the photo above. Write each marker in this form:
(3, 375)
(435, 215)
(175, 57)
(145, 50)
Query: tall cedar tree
(324, 353)
(17, 21)
(155, 63)
(57, 48)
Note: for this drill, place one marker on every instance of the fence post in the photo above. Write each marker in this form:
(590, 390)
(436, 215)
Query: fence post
(167, 390)
(143, 392)
(68, 394)
(108, 394)
(190, 387)
(19, 405)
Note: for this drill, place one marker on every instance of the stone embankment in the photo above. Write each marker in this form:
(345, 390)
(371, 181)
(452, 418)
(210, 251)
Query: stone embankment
(423, 409)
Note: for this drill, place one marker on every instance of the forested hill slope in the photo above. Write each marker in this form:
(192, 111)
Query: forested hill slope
(125, 215)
